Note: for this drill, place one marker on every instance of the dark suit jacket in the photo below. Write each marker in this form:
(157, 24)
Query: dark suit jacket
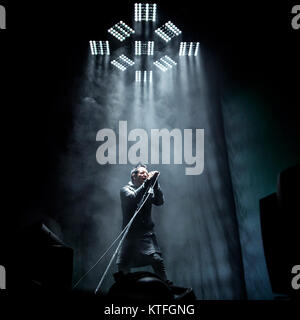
(141, 238)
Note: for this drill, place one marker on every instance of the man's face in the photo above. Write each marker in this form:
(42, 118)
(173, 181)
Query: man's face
(140, 177)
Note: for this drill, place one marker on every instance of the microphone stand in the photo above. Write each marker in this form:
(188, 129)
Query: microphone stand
(141, 204)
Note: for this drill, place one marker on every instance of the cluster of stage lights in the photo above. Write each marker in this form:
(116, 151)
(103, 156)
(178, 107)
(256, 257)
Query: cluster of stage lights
(168, 31)
(165, 63)
(143, 76)
(121, 31)
(144, 47)
(122, 62)
(188, 48)
(100, 47)
(144, 12)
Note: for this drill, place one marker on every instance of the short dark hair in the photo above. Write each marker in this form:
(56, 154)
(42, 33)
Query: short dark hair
(135, 170)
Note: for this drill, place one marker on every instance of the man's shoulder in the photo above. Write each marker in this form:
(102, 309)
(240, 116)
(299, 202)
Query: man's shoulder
(128, 187)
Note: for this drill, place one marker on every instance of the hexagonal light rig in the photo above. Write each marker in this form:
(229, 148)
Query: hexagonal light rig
(144, 12)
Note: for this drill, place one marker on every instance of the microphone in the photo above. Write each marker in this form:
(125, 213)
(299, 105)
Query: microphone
(151, 188)
(151, 191)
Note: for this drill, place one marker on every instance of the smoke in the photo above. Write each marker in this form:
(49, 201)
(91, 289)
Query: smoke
(196, 227)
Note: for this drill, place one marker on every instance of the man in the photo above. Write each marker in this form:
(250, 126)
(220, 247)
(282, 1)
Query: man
(140, 246)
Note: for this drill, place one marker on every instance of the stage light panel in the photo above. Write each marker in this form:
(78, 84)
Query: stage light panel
(138, 76)
(144, 47)
(168, 31)
(122, 62)
(165, 63)
(121, 31)
(143, 76)
(99, 47)
(144, 12)
(189, 48)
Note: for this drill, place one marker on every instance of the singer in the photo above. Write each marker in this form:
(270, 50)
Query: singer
(140, 247)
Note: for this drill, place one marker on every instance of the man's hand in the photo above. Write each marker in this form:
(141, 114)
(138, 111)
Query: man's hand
(153, 175)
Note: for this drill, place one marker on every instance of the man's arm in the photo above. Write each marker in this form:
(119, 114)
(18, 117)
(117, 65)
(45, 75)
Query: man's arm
(134, 195)
(158, 198)
(128, 194)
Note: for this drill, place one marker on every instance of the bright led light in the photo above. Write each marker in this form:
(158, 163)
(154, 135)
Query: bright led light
(144, 47)
(144, 12)
(160, 66)
(165, 63)
(121, 31)
(126, 60)
(99, 47)
(122, 62)
(197, 48)
(147, 11)
(190, 51)
(170, 60)
(168, 31)
(143, 76)
(189, 48)
(118, 65)
(138, 76)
